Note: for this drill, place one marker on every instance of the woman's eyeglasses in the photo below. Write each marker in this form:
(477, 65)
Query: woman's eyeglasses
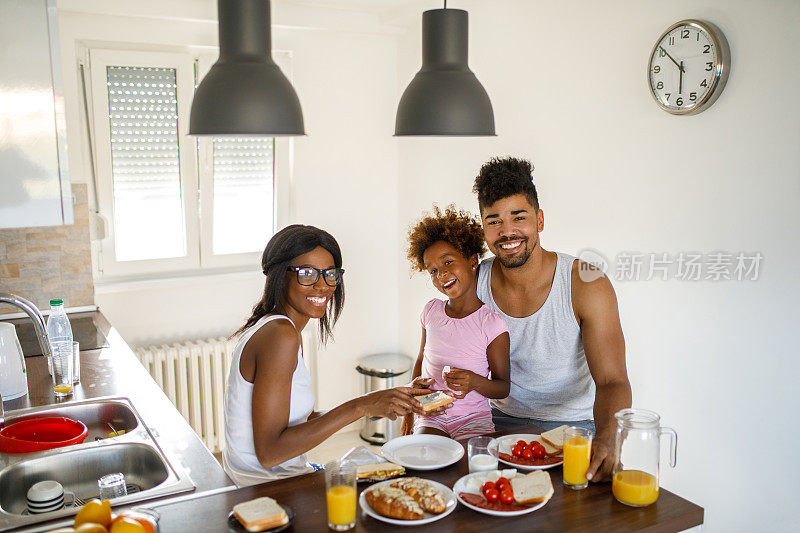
(310, 275)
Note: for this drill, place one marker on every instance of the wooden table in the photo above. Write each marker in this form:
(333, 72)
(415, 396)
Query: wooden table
(592, 509)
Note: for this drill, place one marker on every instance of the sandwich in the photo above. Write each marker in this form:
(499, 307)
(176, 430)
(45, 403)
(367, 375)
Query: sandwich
(555, 437)
(533, 488)
(434, 400)
(260, 514)
(377, 471)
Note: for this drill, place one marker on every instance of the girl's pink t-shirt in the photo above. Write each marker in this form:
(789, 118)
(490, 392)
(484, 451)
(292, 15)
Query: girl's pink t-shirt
(459, 343)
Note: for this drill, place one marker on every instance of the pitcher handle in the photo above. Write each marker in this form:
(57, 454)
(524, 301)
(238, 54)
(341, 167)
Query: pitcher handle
(673, 444)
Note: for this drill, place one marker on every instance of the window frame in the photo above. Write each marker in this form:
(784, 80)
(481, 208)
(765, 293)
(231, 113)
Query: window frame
(196, 168)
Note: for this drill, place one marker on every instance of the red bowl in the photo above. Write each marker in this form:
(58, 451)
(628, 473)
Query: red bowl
(39, 434)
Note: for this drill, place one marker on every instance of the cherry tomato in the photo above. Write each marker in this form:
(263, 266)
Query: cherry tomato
(487, 487)
(492, 495)
(538, 451)
(502, 483)
(521, 443)
(527, 453)
(516, 451)
(507, 497)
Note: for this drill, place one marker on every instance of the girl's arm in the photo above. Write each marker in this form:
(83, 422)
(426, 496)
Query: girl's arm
(275, 352)
(498, 385)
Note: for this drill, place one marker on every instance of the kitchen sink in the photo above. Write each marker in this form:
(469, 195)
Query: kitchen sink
(135, 453)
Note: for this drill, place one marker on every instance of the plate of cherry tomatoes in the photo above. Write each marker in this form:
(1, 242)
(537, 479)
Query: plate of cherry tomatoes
(524, 451)
(491, 493)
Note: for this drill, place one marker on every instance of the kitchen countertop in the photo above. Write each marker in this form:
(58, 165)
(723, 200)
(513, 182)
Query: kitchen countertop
(115, 371)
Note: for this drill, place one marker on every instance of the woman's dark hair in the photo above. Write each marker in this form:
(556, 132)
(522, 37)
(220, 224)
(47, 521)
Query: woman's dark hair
(458, 228)
(504, 177)
(281, 250)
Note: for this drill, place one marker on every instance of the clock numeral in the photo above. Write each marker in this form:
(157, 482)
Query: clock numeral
(692, 96)
(661, 52)
(703, 83)
(679, 101)
(667, 95)
(709, 65)
(706, 48)
(672, 40)
(684, 34)
(657, 69)
(660, 85)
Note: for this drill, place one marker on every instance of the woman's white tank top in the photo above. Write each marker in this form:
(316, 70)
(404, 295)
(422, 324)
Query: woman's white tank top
(239, 456)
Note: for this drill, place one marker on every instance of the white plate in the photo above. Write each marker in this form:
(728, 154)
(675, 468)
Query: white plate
(450, 503)
(497, 445)
(423, 452)
(461, 486)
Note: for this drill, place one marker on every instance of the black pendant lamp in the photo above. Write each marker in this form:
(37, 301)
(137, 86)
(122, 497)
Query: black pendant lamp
(445, 98)
(245, 92)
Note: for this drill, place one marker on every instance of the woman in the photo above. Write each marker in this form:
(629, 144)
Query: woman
(269, 418)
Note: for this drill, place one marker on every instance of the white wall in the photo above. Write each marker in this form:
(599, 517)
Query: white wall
(718, 360)
(348, 154)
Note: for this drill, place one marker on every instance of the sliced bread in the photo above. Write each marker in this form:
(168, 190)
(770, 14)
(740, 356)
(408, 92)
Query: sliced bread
(532, 488)
(260, 514)
(555, 437)
(549, 449)
(379, 470)
(434, 400)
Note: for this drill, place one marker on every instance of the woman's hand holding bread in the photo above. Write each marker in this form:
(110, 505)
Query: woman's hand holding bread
(392, 403)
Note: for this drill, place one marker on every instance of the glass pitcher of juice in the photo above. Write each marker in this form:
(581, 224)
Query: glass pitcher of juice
(636, 456)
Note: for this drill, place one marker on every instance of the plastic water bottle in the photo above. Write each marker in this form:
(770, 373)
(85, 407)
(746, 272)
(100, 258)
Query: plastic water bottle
(59, 331)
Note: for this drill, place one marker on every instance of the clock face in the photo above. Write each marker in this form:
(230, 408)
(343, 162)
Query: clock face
(688, 67)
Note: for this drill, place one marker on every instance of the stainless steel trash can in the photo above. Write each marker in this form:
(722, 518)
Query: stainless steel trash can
(378, 372)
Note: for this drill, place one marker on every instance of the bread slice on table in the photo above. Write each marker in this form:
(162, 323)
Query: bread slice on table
(393, 503)
(434, 400)
(260, 514)
(532, 488)
(555, 437)
(379, 471)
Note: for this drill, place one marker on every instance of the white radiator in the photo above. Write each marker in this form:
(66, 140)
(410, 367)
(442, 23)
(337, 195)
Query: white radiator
(193, 374)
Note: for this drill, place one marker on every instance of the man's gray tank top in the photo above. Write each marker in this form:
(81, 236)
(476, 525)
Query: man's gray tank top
(550, 378)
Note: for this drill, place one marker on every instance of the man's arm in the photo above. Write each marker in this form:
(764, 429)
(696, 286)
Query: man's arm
(595, 306)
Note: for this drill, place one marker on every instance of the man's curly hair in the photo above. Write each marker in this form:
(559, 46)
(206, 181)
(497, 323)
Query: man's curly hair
(504, 177)
(457, 227)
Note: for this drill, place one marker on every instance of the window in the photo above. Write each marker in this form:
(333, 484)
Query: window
(174, 203)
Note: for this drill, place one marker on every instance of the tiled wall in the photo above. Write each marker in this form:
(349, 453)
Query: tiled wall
(50, 262)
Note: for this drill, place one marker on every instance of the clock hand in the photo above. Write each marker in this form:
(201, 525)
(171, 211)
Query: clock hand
(680, 83)
(679, 65)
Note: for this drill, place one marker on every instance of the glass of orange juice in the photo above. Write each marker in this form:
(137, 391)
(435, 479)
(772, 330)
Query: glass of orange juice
(577, 453)
(340, 494)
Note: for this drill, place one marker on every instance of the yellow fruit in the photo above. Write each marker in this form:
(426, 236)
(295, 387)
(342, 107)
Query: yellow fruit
(127, 525)
(94, 512)
(89, 527)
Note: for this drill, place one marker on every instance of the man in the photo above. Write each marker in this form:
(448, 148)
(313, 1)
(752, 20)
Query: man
(567, 348)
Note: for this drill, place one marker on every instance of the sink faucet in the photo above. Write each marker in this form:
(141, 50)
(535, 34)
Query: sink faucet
(38, 324)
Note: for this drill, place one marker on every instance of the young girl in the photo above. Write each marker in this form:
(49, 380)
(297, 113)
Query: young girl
(461, 332)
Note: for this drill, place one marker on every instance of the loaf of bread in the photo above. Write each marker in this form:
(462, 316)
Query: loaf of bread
(423, 492)
(532, 488)
(434, 400)
(393, 503)
(260, 514)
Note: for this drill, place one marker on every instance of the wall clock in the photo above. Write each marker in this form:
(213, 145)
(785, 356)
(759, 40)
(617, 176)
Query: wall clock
(689, 66)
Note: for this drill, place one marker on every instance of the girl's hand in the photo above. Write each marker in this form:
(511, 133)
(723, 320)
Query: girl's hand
(408, 425)
(392, 403)
(461, 381)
